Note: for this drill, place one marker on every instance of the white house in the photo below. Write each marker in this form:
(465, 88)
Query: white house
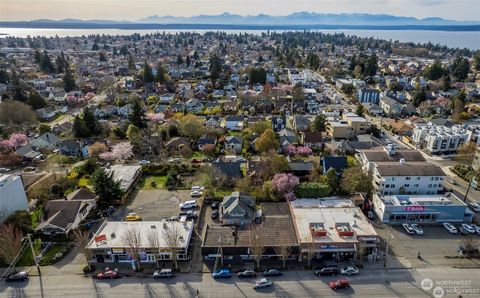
(234, 122)
(12, 196)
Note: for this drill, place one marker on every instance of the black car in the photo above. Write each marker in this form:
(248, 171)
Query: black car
(247, 273)
(215, 205)
(214, 214)
(107, 212)
(17, 277)
(330, 270)
(272, 272)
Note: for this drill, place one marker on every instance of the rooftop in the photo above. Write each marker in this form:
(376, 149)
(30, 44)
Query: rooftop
(409, 169)
(422, 200)
(340, 220)
(124, 174)
(112, 233)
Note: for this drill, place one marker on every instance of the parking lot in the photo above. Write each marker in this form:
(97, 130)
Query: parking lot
(437, 246)
(154, 204)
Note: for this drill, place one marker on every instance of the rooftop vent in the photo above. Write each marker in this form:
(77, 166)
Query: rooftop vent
(402, 161)
(113, 235)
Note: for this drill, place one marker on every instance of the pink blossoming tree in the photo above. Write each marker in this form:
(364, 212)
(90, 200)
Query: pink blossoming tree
(120, 151)
(16, 140)
(285, 184)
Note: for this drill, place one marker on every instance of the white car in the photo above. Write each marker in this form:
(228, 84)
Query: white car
(474, 206)
(262, 283)
(349, 270)
(418, 230)
(196, 193)
(408, 228)
(477, 228)
(144, 162)
(4, 170)
(469, 228)
(450, 228)
(192, 204)
(198, 188)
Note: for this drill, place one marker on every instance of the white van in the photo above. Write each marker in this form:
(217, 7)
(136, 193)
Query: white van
(188, 205)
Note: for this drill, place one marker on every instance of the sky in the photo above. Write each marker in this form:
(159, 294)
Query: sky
(131, 10)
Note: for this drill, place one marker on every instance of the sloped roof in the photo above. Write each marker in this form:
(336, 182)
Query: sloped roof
(238, 205)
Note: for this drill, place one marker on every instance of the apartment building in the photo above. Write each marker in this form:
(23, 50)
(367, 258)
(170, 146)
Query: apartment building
(437, 139)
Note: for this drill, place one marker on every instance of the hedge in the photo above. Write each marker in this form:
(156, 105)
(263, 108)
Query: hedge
(312, 190)
(163, 169)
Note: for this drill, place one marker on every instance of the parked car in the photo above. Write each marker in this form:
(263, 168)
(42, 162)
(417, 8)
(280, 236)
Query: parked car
(463, 230)
(174, 160)
(247, 273)
(196, 193)
(418, 230)
(469, 228)
(164, 273)
(339, 284)
(4, 170)
(192, 204)
(173, 218)
(30, 169)
(222, 273)
(108, 274)
(450, 228)
(215, 214)
(133, 217)
(17, 277)
(329, 270)
(262, 283)
(474, 206)
(215, 205)
(107, 212)
(349, 270)
(477, 229)
(196, 161)
(197, 188)
(408, 228)
(370, 215)
(144, 162)
(190, 214)
(272, 272)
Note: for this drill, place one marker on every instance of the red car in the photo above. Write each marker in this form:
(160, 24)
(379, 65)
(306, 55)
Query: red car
(108, 274)
(339, 284)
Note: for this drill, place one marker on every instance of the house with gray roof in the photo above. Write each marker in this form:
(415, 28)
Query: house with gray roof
(238, 209)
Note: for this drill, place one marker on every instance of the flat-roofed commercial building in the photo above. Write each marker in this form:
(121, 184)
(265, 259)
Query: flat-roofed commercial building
(332, 228)
(428, 209)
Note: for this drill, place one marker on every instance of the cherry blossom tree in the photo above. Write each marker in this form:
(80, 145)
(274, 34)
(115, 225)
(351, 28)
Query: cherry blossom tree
(284, 184)
(120, 151)
(155, 117)
(16, 140)
(300, 150)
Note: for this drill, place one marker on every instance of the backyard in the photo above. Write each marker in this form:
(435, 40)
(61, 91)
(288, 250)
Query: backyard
(153, 182)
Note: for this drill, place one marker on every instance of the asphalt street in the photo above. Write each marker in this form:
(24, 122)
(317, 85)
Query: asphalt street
(374, 283)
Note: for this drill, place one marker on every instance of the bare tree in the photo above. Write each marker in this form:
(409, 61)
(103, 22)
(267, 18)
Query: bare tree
(256, 245)
(470, 245)
(173, 240)
(154, 241)
(284, 252)
(80, 239)
(109, 86)
(11, 242)
(132, 239)
(311, 250)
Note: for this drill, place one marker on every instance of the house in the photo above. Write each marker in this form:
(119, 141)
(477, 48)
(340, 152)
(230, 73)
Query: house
(177, 143)
(70, 148)
(234, 123)
(126, 175)
(212, 121)
(231, 169)
(46, 141)
(233, 144)
(299, 168)
(125, 110)
(107, 247)
(167, 98)
(206, 140)
(193, 106)
(300, 123)
(312, 139)
(12, 196)
(278, 123)
(390, 106)
(57, 95)
(366, 95)
(287, 137)
(65, 215)
(238, 209)
(45, 114)
(28, 153)
(338, 163)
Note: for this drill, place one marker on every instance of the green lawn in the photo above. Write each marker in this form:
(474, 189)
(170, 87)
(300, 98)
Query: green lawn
(50, 254)
(198, 155)
(222, 192)
(146, 182)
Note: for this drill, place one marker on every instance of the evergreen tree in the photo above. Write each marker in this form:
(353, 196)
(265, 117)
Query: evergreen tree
(476, 60)
(460, 68)
(95, 47)
(419, 97)
(46, 64)
(79, 128)
(36, 101)
(131, 63)
(196, 57)
(147, 74)
(371, 66)
(434, 71)
(319, 122)
(91, 122)
(161, 73)
(188, 61)
(360, 110)
(107, 189)
(68, 79)
(102, 57)
(215, 67)
(137, 116)
(37, 56)
(179, 59)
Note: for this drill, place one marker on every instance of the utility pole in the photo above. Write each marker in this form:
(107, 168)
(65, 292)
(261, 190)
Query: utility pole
(33, 254)
(386, 248)
(468, 189)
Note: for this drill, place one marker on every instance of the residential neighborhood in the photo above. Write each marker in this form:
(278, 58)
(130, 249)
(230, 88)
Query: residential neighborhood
(218, 154)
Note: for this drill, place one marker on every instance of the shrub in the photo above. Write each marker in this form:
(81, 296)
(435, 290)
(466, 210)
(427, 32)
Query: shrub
(312, 190)
(88, 269)
(153, 183)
